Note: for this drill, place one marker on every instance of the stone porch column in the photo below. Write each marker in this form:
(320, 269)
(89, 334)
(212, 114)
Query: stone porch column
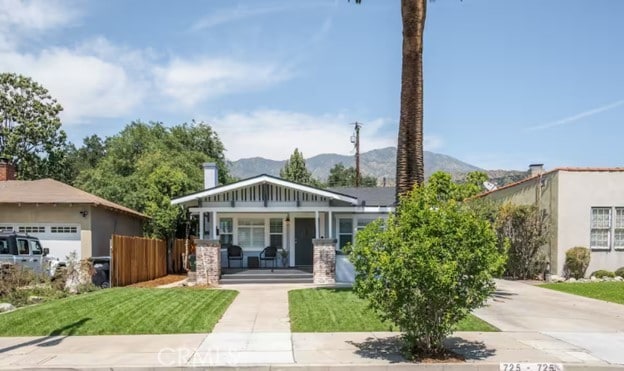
(324, 261)
(208, 262)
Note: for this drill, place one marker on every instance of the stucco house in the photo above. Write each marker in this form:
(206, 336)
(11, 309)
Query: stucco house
(268, 211)
(585, 207)
(64, 218)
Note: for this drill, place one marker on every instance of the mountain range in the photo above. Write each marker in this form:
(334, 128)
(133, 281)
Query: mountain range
(379, 163)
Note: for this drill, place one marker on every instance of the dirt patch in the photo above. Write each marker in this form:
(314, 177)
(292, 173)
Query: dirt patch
(170, 278)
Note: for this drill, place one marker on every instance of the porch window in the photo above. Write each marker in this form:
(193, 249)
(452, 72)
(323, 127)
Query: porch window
(251, 233)
(600, 227)
(226, 231)
(345, 232)
(618, 241)
(362, 223)
(276, 233)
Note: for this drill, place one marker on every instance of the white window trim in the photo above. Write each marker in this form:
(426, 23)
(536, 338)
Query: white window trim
(615, 209)
(608, 229)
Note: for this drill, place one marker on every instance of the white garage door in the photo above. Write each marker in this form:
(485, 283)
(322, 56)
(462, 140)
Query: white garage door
(61, 239)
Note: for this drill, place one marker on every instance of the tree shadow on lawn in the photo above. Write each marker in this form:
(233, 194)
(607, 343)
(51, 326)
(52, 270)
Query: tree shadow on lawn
(52, 339)
(390, 349)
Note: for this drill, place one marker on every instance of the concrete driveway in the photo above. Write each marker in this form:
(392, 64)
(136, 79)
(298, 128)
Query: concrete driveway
(594, 325)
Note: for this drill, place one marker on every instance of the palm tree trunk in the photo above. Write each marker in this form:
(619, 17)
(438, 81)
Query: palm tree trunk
(410, 157)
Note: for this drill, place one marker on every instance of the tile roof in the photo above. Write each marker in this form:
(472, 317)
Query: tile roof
(375, 196)
(569, 169)
(50, 191)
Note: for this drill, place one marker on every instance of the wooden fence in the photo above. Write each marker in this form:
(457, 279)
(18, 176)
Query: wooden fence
(177, 255)
(137, 259)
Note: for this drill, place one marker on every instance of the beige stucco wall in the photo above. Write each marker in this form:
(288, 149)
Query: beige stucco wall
(544, 191)
(579, 192)
(105, 223)
(63, 213)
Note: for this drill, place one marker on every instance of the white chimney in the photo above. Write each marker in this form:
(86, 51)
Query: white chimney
(211, 175)
(536, 169)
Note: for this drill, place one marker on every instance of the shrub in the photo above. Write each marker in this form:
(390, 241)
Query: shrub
(524, 230)
(427, 268)
(576, 262)
(620, 272)
(603, 274)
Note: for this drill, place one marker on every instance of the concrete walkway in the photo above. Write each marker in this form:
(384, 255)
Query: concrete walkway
(594, 326)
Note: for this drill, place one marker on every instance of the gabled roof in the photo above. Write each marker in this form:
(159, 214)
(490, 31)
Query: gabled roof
(50, 191)
(555, 170)
(264, 178)
(373, 196)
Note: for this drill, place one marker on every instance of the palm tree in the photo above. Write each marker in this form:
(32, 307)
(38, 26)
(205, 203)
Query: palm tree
(410, 163)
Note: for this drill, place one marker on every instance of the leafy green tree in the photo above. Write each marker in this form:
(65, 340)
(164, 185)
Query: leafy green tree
(30, 129)
(146, 165)
(524, 229)
(296, 171)
(442, 185)
(427, 267)
(341, 176)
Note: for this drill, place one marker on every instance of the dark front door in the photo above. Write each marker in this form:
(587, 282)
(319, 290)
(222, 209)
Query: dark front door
(304, 233)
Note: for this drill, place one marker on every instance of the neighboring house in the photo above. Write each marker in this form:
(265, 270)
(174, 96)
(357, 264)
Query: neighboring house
(585, 207)
(64, 218)
(269, 211)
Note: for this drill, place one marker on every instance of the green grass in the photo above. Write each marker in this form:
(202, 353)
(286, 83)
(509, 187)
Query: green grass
(607, 291)
(340, 310)
(122, 311)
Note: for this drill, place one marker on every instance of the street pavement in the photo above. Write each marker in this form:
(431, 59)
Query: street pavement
(255, 331)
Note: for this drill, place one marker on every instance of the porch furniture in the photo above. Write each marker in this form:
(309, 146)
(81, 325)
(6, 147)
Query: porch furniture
(234, 253)
(252, 262)
(269, 253)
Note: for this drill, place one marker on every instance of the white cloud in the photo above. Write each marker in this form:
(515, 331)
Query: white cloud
(275, 134)
(241, 12)
(189, 82)
(20, 19)
(571, 119)
(86, 85)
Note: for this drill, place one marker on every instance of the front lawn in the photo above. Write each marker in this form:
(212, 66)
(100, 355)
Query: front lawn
(607, 291)
(122, 311)
(340, 310)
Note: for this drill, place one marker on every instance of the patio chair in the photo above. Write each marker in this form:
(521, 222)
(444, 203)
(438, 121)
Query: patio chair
(269, 253)
(234, 253)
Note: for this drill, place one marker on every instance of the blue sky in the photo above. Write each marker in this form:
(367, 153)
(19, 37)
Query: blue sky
(507, 83)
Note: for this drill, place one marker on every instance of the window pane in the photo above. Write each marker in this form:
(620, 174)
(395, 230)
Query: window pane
(275, 226)
(619, 238)
(258, 237)
(22, 247)
(35, 247)
(599, 238)
(345, 239)
(345, 225)
(276, 240)
(601, 217)
(244, 236)
(619, 217)
(249, 221)
(226, 239)
(225, 225)
(364, 222)
(4, 247)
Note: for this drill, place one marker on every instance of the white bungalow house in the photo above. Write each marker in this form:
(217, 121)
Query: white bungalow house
(268, 211)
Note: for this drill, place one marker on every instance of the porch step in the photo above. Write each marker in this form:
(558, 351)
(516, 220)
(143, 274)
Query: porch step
(238, 281)
(263, 276)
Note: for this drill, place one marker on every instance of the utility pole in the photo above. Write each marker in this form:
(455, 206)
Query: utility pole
(356, 140)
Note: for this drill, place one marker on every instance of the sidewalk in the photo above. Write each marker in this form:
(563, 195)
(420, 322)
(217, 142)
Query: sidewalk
(255, 331)
(483, 351)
